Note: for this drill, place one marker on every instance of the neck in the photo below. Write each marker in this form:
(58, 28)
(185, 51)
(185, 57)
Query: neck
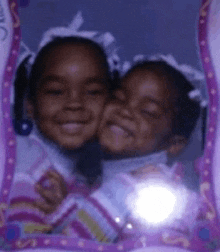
(110, 156)
(128, 164)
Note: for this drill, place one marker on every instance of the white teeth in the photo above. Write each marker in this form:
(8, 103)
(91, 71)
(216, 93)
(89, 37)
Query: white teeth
(72, 127)
(118, 130)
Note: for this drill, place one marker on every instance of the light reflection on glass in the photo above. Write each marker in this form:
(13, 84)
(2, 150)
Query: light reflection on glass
(157, 202)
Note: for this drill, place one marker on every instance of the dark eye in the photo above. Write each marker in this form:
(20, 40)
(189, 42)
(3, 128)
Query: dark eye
(94, 92)
(54, 92)
(150, 114)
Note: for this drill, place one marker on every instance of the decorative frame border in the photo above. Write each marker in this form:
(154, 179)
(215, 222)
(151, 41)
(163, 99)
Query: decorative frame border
(8, 131)
(206, 171)
(10, 239)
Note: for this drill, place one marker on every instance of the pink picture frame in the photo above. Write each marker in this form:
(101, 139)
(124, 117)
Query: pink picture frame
(206, 235)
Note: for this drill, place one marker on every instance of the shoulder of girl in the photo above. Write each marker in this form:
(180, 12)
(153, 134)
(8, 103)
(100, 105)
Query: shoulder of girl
(28, 144)
(26, 153)
(31, 157)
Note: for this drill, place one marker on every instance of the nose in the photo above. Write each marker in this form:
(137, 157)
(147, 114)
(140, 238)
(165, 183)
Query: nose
(125, 110)
(73, 100)
(124, 106)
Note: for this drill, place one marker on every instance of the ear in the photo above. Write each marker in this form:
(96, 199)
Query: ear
(29, 108)
(177, 144)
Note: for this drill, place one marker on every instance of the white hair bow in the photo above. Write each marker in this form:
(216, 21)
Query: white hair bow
(106, 40)
(192, 74)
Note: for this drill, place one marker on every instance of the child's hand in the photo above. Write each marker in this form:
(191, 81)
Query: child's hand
(53, 194)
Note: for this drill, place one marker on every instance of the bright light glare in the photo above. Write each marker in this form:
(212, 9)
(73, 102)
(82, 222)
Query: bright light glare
(155, 203)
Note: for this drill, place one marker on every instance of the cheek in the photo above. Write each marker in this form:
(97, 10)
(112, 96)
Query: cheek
(148, 137)
(150, 133)
(156, 133)
(96, 107)
(109, 113)
(46, 108)
(147, 128)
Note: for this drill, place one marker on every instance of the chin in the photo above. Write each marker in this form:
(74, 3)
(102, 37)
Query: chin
(108, 146)
(71, 146)
(113, 150)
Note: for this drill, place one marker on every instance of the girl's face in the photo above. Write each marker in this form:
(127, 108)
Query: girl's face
(139, 121)
(71, 95)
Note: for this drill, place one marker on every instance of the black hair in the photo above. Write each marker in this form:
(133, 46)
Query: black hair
(89, 163)
(187, 110)
(20, 86)
(38, 65)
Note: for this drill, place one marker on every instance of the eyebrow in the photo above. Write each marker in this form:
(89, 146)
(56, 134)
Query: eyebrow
(60, 79)
(52, 78)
